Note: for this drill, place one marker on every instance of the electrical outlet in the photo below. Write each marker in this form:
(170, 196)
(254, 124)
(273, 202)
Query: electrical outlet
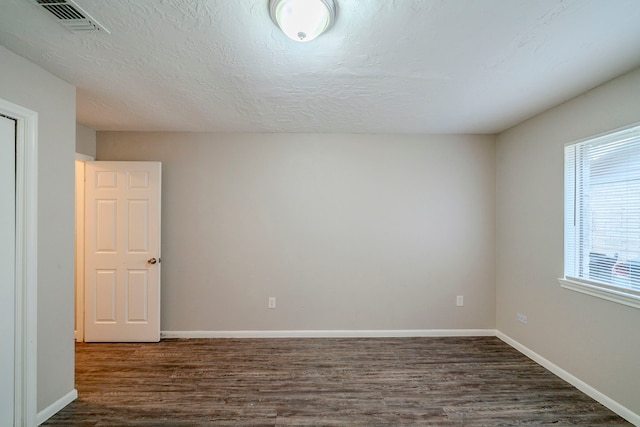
(460, 300)
(521, 318)
(272, 302)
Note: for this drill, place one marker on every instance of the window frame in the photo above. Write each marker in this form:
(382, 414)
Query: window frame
(610, 292)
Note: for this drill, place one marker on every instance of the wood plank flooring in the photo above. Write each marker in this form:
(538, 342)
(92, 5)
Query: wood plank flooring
(470, 381)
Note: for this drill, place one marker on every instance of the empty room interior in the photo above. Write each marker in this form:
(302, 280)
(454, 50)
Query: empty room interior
(391, 179)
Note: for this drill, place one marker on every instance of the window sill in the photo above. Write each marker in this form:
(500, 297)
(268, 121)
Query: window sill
(623, 296)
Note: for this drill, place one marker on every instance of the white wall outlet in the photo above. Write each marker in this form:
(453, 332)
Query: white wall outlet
(460, 300)
(272, 302)
(521, 318)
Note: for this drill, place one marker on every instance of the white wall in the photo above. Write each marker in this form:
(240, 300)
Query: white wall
(348, 232)
(29, 86)
(597, 341)
(85, 140)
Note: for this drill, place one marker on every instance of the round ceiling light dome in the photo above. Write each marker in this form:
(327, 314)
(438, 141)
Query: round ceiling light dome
(303, 20)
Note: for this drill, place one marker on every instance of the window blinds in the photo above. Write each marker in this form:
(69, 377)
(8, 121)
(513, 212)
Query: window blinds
(602, 209)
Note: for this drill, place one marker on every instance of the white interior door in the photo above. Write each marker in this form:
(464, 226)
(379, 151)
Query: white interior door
(122, 251)
(7, 269)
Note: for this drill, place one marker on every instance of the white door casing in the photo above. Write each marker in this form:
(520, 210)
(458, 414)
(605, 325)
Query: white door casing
(7, 269)
(24, 156)
(122, 251)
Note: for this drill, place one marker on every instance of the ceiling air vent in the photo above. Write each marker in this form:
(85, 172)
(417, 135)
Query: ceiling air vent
(71, 16)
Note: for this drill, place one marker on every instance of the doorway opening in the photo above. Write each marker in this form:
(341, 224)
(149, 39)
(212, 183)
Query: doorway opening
(117, 257)
(78, 330)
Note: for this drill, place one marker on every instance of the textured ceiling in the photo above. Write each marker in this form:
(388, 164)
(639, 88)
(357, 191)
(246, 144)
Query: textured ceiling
(387, 66)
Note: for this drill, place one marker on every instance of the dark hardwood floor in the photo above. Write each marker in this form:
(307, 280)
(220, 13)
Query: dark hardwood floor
(477, 381)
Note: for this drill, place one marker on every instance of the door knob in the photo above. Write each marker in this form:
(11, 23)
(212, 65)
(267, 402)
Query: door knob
(152, 261)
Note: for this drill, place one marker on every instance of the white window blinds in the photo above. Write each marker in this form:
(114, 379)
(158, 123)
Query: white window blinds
(602, 210)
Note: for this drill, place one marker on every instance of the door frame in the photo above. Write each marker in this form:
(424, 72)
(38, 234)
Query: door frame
(26, 279)
(79, 257)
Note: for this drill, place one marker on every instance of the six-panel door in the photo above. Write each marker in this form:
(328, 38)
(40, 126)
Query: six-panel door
(122, 251)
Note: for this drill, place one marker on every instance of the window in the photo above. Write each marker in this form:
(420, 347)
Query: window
(602, 216)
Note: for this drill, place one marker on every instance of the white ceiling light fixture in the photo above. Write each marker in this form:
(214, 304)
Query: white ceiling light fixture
(303, 20)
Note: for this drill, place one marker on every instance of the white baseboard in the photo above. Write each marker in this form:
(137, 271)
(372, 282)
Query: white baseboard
(56, 406)
(616, 407)
(333, 333)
